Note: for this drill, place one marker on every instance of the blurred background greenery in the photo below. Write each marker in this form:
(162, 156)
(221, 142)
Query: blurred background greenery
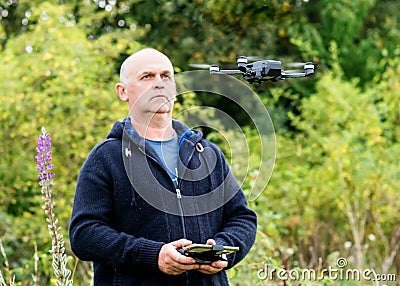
(334, 191)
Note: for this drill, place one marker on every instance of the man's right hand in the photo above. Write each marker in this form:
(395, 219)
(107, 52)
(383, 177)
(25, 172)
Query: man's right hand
(171, 262)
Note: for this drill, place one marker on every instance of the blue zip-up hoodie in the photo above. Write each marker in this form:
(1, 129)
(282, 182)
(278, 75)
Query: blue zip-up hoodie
(116, 228)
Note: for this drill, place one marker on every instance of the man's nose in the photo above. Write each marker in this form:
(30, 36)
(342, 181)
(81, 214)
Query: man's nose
(159, 83)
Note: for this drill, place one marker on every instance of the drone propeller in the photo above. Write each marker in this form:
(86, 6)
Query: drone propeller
(200, 66)
(254, 58)
(206, 67)
(295, 65)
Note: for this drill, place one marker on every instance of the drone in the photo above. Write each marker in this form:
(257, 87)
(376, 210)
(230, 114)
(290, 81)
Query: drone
(264, 70)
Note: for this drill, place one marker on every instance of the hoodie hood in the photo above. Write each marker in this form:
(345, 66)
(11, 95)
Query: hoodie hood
(183, 131)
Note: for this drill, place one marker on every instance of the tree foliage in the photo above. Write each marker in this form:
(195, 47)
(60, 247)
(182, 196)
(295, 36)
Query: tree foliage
(334, 188)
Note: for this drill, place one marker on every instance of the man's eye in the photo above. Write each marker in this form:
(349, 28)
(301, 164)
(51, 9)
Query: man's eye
(166, 76)
(147, 76)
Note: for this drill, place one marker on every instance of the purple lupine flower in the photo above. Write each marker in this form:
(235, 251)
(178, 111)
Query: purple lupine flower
(43, 159)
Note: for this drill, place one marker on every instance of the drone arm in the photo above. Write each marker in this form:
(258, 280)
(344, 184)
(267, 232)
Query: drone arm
(293, 75)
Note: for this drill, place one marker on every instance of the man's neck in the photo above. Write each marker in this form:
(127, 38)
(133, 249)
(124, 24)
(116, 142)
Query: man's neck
(156, 129)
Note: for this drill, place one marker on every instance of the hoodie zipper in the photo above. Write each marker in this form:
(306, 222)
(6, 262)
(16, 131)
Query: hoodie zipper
(180, 205)
(176, 184)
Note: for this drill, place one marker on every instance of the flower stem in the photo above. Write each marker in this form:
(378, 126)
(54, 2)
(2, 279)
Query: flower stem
(46, 176)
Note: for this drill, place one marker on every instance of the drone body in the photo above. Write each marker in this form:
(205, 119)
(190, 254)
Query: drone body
(263, 70)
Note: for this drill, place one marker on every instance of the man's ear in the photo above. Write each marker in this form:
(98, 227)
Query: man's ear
(121, 91)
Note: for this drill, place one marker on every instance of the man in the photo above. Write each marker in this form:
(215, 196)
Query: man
(132, 240)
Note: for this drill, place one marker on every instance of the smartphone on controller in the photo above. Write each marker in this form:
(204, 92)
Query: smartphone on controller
(207, 253)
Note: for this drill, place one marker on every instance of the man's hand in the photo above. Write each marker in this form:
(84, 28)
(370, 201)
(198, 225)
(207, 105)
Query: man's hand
(214, 267)
(171, 262)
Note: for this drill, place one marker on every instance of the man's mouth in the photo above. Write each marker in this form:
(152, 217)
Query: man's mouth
(164, 96)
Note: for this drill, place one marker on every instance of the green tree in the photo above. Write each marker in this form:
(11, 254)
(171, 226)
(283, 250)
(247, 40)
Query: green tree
(340, 174)
(336, 174)
(52, 76)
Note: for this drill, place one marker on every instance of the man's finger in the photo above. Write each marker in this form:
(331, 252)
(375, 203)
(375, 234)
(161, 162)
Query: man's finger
(214, 267)
(182, 259)
(211, 241)
(181, 242)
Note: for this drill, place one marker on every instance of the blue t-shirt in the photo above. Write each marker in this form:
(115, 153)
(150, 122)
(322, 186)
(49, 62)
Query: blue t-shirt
(167, 152)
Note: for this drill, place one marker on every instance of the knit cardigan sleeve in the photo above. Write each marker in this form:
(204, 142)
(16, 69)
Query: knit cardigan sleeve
(239, 225)
(91, 233)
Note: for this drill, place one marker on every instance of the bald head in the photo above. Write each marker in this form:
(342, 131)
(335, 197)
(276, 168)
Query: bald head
(139, 58)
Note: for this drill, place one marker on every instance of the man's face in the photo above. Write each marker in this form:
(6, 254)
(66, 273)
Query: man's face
(150, 85)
